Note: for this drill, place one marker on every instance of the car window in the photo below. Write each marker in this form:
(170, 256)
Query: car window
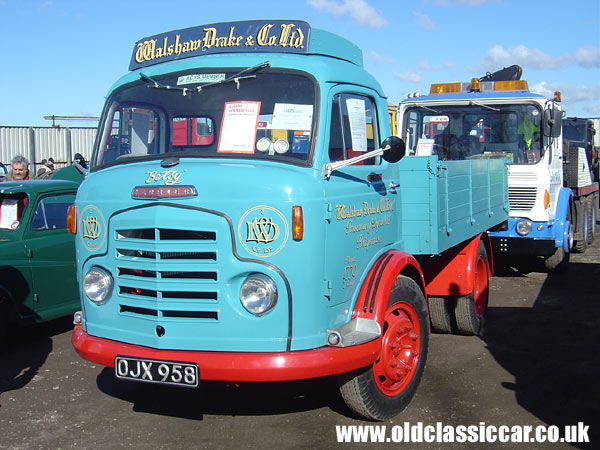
(51, 212)
(12, 207)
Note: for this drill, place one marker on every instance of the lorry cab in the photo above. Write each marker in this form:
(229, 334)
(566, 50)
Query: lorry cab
(225, 190)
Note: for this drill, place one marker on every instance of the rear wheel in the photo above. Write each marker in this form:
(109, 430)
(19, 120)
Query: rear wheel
(591, 201)
(440, 314)
(386, 388)
(582, 226)
(470, 309)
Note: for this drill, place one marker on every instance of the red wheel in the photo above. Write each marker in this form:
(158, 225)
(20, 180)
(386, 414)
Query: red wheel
(400, 349)
(384, 389)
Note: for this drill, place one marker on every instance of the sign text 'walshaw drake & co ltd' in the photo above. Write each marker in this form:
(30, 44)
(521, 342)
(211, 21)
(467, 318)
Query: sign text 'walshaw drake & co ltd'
(277, 35)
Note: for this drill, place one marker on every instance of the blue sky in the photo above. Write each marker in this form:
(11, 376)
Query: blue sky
(61, 56)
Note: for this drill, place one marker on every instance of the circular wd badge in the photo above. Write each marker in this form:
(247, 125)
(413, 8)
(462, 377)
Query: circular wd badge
(92, 228)
(263, 231)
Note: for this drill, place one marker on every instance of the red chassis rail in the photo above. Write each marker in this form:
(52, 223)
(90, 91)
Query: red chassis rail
(237, 366)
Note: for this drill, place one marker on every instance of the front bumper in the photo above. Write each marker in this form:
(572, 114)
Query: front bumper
(523, 245)
(237, 366)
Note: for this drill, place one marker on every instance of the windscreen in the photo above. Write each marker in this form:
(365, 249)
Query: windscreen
(475, 132)
(258, 116)
(574, 131)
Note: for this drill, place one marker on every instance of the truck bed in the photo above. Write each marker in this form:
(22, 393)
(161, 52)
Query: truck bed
(443, 203)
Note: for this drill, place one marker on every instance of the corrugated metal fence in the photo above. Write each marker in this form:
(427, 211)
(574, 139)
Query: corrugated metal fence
(37, 143)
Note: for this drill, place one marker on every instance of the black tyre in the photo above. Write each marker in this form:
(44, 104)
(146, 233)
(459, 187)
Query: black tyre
(558, 262)
(3, 318)
(384, 389)
(591, 201)
(582, 226)
(440, 315)
(470, 309)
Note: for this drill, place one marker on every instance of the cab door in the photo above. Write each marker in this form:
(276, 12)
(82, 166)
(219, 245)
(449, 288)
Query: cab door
(51, 251)
(360, 198)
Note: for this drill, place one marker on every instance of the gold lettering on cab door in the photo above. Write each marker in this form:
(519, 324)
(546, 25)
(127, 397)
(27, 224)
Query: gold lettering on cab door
(365, 220)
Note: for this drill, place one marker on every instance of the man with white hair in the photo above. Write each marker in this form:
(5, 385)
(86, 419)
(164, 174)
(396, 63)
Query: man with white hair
(19, 169)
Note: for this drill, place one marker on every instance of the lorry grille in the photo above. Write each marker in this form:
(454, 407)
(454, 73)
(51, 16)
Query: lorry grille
(522, 198)
(163, 272)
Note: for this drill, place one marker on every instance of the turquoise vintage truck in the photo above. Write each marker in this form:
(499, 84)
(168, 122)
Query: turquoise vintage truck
(249, 217)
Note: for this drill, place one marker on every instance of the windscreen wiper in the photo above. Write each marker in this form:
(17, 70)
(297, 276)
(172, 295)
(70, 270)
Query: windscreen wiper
(483, 106)
(241, 75)
(156, 85)
(428, 109)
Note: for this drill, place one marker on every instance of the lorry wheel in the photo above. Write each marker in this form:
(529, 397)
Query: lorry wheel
(558, 262)
(440, 315)
(583, 226)
(470, 309)
(384, 389)
(591, 201)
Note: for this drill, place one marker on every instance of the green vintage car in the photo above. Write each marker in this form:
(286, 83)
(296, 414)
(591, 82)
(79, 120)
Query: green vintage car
(37, 253)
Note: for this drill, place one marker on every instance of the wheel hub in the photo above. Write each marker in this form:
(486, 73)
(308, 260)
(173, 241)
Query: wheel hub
(400, 349)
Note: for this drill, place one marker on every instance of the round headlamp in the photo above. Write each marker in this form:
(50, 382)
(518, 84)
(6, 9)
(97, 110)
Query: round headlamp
(258, 294)
(523, 227)
(97, 285)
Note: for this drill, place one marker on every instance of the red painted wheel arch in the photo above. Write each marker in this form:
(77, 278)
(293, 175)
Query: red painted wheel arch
(374, 293)
(453, 272)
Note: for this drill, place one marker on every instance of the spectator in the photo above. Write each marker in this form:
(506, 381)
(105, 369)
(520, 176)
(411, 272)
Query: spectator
(42, 170)
(79, 159)
(19, 169)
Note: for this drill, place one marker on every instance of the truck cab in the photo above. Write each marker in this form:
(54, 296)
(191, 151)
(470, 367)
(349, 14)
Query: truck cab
(247, 217)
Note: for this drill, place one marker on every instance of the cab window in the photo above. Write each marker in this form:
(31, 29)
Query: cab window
(353, 129)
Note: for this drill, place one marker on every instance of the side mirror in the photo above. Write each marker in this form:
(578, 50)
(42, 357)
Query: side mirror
(396, 151)
(552, 122)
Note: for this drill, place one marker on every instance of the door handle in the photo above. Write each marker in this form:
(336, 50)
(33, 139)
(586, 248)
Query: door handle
(393, 186)
(29, 253)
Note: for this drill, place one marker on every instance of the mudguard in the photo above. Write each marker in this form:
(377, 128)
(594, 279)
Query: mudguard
(561, 227)
(453, 272)
(373, 295)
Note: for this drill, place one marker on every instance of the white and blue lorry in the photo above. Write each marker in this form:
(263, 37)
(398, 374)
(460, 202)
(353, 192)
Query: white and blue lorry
(552, 193)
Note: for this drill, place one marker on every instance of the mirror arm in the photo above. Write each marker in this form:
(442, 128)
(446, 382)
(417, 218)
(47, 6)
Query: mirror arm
(329, 168)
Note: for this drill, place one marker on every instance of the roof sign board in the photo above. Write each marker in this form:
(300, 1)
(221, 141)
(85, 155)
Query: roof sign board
(289, 36)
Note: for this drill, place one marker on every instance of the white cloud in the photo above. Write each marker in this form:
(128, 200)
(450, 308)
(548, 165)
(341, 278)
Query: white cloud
(377, 58)
(462, 2)
(424, 65)
(586, 97)
(359, 10)
(423, 21)
(410, 76)
(498, 56)
(587, 56)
